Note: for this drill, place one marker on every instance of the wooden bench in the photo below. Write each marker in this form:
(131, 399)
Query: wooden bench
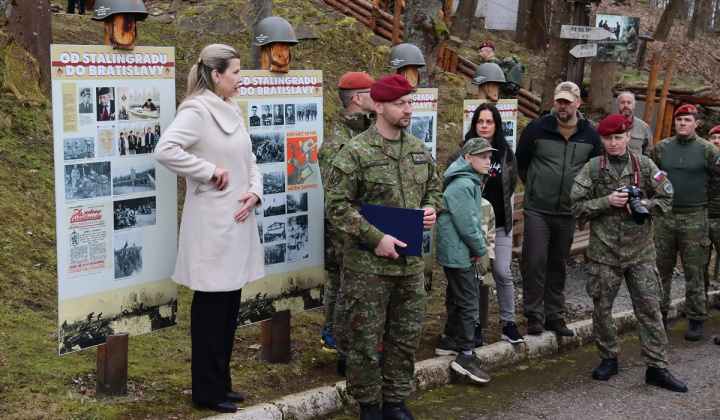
(581, 238)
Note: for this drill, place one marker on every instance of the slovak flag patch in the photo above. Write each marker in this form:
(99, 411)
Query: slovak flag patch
(717, 162)
(660, 175)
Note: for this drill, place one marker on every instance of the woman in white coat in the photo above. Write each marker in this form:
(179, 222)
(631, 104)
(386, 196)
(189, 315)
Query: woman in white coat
(219, 248)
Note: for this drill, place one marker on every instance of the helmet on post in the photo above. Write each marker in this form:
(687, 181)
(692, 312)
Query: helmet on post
(488, 72)
(405, 55)
(273, 29)
(107, 8)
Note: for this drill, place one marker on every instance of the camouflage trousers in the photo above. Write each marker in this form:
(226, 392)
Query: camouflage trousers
(688, 235)
(714, 237)
(387, 309)
(644, 286)
(333, 264)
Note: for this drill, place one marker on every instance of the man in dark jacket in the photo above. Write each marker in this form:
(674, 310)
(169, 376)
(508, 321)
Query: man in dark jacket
(550, 153)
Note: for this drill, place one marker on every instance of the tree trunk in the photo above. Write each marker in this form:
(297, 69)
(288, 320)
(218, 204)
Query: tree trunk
(701, 10)
(28, 23)
(558, 51)
(425, 29)
(464, 18)
(536, 31)
(261, 10)
(666, 20)
(602, 82)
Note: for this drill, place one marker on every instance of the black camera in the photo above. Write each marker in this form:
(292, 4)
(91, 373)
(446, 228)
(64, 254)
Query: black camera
(639, 212)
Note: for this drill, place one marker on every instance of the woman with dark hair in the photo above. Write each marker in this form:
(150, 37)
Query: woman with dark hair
(498, 190)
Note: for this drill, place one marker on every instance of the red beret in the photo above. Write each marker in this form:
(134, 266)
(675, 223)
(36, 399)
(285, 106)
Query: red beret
(389, 88)
(714, 130)
(685, 110)
(487, 44)
(614, 124)
(355, 80)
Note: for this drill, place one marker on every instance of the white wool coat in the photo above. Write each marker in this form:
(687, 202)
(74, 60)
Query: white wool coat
(215, 253)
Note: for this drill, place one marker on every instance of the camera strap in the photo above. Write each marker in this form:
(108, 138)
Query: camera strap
(633, 162)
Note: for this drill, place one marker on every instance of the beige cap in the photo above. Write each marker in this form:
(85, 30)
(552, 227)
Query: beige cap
(568, 91)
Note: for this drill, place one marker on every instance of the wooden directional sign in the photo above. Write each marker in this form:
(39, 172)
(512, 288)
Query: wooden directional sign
(584, 50)
(584, 32)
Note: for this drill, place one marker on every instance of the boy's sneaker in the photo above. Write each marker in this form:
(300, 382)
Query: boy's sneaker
(478, 338)
(329, 345)
(446, 346)
(510, 333)
(469, 366)
(324, 336)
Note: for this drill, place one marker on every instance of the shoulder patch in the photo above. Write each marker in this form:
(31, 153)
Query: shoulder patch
(335, 177)
(668, 188)
(717, 162)
(659, 176)
(419, 158)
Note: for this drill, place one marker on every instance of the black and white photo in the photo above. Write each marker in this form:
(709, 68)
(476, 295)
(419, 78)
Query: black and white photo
(306, 113)
(297, 202)
(78, 148)
(279, 114)
(128, 255)
(289, 114)
(133, 179)
(254, 117)
(268, 147)
(273, 182)
(422, 128)
(267, 116)
(87, 180)
(273, 230)
(134, 212)
(297, 237)
(273, 205)
(275, 254)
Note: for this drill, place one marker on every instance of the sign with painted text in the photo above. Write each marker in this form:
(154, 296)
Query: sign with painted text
(284, 116)
(116, 208)
(583, 32)
(584, 50)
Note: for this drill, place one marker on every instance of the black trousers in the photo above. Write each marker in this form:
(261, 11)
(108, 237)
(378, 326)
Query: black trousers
(213, 320)
(71, 6)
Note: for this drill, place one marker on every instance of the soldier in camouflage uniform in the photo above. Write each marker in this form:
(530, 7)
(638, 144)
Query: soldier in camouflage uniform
(384, 292)
(621, 247)
(713, 220)
(511, 67)
(353, 118)
(692, 163)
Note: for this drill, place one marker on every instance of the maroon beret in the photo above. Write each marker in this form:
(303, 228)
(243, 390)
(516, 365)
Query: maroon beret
(614, 124)
(487, 44)
(389, 88)
(355, 80)
(686, 110)
(714, 130)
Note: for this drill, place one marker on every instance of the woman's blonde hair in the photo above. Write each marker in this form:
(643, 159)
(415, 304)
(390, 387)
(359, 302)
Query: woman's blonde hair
(212, 57)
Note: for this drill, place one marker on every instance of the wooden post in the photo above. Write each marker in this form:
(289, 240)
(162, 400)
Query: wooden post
(663, 97)
(275, 57)
(669, 119)
(412, 74)
(121, 31)
(396, 24)
(652, 83)
(112, 365)
(521, 20)
(489, 91)
(576, 66)
(275, 338)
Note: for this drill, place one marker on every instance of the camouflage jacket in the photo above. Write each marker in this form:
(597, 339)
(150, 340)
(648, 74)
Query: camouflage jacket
(693, 164)
(367, 170)
(615, 238)
(348, 126)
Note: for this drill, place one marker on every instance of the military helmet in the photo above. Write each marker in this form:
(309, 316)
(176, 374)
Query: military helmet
(106, 8)
(273, 29)
(405, 55)
(488, 72)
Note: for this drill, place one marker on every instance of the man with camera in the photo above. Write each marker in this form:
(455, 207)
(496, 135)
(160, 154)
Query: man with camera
(693, 163)
(616, 192)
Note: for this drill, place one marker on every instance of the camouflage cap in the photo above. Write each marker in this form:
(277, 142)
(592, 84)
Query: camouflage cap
(476, 145)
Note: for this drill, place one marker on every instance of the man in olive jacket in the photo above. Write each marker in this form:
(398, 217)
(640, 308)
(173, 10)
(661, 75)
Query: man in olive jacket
(550, 153)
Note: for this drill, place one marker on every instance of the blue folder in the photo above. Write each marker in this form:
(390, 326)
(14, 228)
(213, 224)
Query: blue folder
(404, 224)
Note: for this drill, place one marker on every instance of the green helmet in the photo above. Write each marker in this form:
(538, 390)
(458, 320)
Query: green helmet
(273, 29)
(488, 72)
(405, 55)
(106, 8)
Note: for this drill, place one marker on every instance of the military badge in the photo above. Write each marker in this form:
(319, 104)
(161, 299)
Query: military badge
(419, 158)
(335, 177)
(659, 176)
(717, 162)
(668, 188)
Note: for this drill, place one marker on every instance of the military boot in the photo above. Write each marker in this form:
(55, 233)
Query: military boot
(370, 412)
(396, 411)
(664, 379)
(695, 330)
(607, 368)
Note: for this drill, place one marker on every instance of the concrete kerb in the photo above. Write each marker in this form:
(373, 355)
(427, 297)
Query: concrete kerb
(324, 401)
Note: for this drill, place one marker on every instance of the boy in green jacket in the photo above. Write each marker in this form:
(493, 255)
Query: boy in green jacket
(460, 243)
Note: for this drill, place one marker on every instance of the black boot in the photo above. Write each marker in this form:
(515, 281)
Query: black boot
(396, 411)
(607, 368)
(664, 320)
(341, 367)
(664, 379)
(695, 330)
(370, 412)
